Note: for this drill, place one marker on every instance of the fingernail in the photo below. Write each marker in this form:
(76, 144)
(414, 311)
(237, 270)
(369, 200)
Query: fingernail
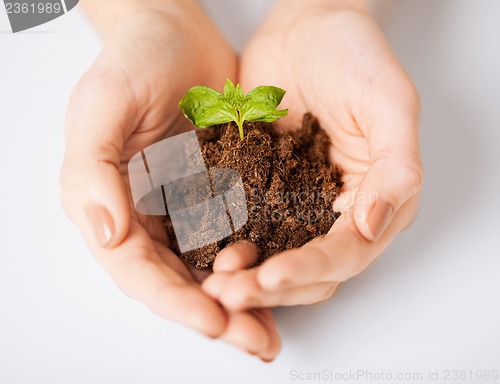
(249, 351)
(102, 224)
(267, 360)
(379, 218)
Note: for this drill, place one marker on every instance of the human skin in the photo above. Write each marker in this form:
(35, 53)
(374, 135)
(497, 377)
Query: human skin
(125, 102)
(334, 61)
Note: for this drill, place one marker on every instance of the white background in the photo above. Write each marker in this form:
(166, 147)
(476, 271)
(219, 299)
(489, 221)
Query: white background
(430, 302)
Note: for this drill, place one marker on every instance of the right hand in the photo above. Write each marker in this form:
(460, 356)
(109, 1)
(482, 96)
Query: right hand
(125, 102)
(334, 53)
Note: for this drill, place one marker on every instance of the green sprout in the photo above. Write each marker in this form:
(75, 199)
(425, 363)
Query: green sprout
(205, 106)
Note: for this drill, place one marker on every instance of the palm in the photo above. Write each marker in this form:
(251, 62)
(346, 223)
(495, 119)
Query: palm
(156, 96)
(335, 64)
(326, 74)
(152, 231)
(129, 99)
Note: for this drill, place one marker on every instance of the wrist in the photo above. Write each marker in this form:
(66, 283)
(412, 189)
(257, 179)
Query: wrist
(108, 15)
(286, 12)
(294, 7)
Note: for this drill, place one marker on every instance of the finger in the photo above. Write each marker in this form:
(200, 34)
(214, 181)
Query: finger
(240, 255)
(219, 280)
(390, 123)
(214, 284)
(241, 290)
(247, 332)
(265, 316)
(101, 114)
(301, 295)
(147, 272)
(199, 275)
(340, 255)
(236, 291)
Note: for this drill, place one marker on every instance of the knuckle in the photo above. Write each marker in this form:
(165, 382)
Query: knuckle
(242, 301)
(415, 176)
(238, 296)
(326, 294)
(407, 172)
(400, 90)
(329, 291)
(108, 153)
(410, 91)
(409, 212)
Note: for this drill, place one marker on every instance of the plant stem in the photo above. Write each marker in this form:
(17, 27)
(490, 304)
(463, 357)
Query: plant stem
(239, 123)
(240, 128)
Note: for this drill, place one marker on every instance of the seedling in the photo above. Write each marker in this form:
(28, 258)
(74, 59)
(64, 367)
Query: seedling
(205, 106)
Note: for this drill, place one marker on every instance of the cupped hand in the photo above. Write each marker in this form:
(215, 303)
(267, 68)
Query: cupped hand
(124, 103)
(335, 63)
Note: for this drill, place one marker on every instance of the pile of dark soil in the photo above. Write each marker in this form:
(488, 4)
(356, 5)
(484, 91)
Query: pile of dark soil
(289, 185)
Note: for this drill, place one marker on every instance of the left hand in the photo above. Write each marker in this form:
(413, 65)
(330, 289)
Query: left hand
(334, 62)
(125, 102)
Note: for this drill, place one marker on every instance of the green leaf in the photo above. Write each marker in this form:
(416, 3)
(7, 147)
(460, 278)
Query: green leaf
(229, 89)
(261, 104)
(267, 95)
(219, 114)
(234, 96)
(262, 112)
(239, 94)
(205, 107)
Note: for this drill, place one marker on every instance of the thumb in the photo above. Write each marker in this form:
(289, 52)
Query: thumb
(395, 172)
(93, 192)
(387, 185)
